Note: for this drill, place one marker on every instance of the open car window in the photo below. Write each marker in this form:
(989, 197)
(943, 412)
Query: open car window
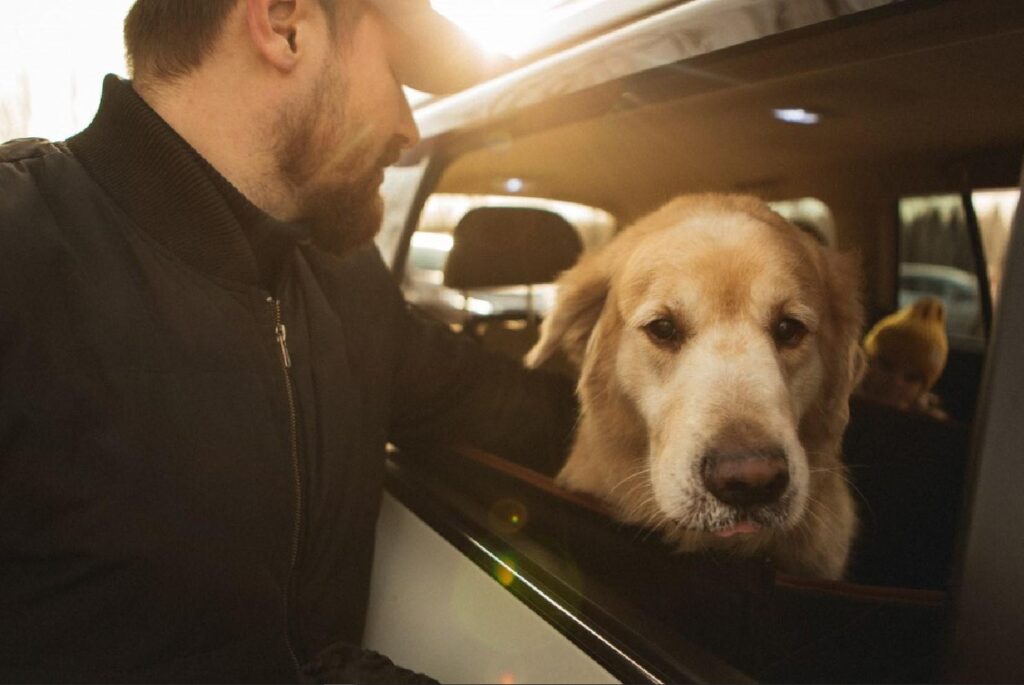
(937, 258)
(862, 132)
(430, 245)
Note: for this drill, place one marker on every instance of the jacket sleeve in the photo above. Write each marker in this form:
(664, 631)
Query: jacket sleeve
(450, 391)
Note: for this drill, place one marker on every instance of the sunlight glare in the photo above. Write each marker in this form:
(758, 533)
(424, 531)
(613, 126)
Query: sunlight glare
(55, 54)
(512, 28)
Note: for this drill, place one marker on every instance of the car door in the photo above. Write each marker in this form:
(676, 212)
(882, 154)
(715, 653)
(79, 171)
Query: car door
(984, 643)
(614, 594)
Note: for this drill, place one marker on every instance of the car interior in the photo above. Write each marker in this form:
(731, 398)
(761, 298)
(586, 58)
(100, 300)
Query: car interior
(864, 115)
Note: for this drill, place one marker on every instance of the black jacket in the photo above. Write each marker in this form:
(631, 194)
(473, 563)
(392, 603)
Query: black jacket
(175, 502)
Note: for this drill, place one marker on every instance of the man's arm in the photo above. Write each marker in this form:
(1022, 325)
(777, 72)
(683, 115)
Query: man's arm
(449, 390)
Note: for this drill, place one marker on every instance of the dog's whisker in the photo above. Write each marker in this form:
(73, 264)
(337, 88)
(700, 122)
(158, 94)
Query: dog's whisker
(631, 509)
(841, 472)
(631, 477)
(830, 523)
(645, 505)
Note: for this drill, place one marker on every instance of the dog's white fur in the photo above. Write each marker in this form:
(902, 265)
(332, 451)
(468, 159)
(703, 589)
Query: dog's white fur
(726, 268)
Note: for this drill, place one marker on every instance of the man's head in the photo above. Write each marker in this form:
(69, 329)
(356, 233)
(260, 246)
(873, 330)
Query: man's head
(166, 39)
(333, 145)
(310, 86)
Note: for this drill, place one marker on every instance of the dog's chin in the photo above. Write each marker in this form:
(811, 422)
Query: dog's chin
(725, 522)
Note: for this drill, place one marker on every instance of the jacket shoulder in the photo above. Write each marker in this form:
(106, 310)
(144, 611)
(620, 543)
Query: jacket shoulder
(26, 148)
(36, 179)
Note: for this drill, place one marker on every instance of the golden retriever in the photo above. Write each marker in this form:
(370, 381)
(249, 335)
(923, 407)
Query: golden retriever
(717, 349)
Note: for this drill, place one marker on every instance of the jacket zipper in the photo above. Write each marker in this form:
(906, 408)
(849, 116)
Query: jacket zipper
(281, 333)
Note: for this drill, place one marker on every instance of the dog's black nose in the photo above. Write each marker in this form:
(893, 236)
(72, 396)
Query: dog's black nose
(746, 479)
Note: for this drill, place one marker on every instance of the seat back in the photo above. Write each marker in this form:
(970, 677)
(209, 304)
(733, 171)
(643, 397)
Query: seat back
(908, 471)
(502, 247)
(505, 246)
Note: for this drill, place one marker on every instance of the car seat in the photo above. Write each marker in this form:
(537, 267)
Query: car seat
(501, 247)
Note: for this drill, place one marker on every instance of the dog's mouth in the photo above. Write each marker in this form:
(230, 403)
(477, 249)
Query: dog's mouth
(740, 523)
(776, 516)
(745, 527)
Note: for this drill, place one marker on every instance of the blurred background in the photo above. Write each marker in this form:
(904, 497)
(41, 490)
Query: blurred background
(54, 55)
(56, 52)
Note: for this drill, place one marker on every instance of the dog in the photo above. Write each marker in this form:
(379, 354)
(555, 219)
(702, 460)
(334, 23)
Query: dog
(717, 347)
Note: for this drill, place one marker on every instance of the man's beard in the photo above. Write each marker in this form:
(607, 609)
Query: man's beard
(343, 215)
(337, 190)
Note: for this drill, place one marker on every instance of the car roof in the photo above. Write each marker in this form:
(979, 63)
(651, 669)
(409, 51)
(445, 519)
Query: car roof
(714, 106)
(680, 31)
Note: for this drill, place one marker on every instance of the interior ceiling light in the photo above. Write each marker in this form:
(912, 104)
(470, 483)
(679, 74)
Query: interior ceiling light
(514, 185)
(797, 115)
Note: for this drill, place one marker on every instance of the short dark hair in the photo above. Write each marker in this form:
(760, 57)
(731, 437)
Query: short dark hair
(166, 39)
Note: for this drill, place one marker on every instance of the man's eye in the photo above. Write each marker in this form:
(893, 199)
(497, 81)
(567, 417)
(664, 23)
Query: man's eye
(788, 332)
(663, 332)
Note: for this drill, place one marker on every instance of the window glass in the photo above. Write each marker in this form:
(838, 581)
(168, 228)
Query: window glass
(936, 259)
(432, 241)
(399, 187)
(810, 214)
(995, 209)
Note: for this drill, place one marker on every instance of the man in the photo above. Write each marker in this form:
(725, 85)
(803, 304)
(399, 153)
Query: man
(202, 356)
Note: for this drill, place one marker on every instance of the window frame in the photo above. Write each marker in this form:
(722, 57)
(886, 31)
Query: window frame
(445, 147)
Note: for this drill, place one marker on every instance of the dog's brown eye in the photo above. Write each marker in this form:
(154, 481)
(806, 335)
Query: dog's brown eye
(663, 332)
(788, 332)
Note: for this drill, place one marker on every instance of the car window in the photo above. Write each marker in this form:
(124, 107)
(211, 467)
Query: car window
(863, 141)
(995, 210)
(810, 214)
(937, 258)
(400, 187)
(433, 240)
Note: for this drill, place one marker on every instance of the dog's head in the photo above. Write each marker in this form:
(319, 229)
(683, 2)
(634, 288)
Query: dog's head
(727, 337)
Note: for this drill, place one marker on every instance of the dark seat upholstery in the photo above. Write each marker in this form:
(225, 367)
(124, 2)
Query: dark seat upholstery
(908, 471)
(497, 247)
(503, 246)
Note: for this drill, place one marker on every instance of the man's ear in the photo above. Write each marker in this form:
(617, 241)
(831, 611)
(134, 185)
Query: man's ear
(582, 291)
(276, 28)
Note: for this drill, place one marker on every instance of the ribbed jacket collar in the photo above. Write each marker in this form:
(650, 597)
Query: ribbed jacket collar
(172, 193)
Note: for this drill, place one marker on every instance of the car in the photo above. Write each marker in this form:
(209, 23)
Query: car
(956, 288)
(874, 125)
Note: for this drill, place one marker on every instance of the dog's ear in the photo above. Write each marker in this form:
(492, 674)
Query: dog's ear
(843, 274)
(845, 284)
(858, 364)
(581, 295)
(840, 345)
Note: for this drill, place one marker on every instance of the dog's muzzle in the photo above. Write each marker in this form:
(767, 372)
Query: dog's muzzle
(746, 479)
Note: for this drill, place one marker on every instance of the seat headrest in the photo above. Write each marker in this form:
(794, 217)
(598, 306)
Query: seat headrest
(501, 246)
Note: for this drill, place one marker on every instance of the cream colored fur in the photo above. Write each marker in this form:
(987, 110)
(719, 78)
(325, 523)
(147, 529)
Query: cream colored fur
(724, 267)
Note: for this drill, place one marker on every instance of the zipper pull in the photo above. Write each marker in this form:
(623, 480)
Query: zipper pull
(281, 332)
(282, 340)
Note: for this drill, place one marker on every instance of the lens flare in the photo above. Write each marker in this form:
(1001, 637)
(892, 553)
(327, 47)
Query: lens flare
(507, 516)
(504, 571)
